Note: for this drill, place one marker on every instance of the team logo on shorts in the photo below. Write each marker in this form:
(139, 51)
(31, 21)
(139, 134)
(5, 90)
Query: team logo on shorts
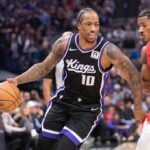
(95, 55)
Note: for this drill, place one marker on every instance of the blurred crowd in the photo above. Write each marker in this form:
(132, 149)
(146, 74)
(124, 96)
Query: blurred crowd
(29, 27)
(27, 31)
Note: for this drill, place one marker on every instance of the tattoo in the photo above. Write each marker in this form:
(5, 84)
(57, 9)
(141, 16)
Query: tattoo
(111, 51)
(127, 70)
(57, 47)
(40, 69)
(33, 73)
(133, 77)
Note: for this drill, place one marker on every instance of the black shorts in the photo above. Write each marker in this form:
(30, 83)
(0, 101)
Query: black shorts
(74, 122)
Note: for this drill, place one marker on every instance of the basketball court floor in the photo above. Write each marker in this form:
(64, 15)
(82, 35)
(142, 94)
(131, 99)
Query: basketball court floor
(123, 146)
(126, 146)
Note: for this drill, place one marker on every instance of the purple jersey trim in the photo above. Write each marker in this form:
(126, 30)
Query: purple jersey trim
(102, 70)
(70, 136)
(51, 135)
(87, 50)
(68, 44)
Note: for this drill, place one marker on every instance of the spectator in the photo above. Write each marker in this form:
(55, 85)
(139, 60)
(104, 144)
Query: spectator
(14, 132)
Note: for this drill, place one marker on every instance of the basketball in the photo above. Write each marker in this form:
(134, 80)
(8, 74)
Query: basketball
(145, 72)
(10, 97)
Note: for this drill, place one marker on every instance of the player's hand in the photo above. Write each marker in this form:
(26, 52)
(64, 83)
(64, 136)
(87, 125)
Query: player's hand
(139, 114)
(13, 80)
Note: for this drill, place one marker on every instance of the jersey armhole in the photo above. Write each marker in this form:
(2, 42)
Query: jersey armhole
(68, 44)
(101, 69)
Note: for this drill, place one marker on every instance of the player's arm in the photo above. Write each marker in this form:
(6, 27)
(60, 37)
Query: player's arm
(40, 69)
(128, 71)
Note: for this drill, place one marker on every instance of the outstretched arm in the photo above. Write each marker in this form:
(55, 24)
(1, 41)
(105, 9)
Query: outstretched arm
(128, 71)
(40, 69)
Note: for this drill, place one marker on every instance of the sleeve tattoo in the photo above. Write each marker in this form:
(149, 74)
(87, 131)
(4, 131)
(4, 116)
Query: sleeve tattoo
(40, 69)
(126, 70)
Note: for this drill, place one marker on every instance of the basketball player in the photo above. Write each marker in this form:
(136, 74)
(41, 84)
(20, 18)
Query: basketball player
(54, 79)
(144, 30)
(77, 107)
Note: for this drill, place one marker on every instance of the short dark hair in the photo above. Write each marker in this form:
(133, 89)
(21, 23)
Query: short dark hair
(83, 11)
(145, 12)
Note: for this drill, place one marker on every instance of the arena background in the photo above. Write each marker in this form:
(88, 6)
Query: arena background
(28, 29)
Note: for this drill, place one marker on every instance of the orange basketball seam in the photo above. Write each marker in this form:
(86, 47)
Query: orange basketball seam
(10, 97)
(16, 94)
(7, 92)
(10, 94)
(7, 107)
(13, 89)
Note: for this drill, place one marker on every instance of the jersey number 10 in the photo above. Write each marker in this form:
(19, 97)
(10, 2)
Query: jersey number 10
(88, 80)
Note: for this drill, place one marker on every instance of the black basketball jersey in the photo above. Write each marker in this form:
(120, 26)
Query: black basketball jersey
(85, 80)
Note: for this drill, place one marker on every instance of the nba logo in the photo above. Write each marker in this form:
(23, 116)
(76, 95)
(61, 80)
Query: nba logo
(95, 55)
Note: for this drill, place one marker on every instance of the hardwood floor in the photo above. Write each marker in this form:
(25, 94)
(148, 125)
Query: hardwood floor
(126, 146)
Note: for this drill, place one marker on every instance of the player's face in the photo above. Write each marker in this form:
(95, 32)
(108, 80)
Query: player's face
(88, 27)
(144, 28)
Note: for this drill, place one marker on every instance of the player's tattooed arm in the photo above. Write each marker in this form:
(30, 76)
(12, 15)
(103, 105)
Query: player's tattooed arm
(126, 70)
(40, 69)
